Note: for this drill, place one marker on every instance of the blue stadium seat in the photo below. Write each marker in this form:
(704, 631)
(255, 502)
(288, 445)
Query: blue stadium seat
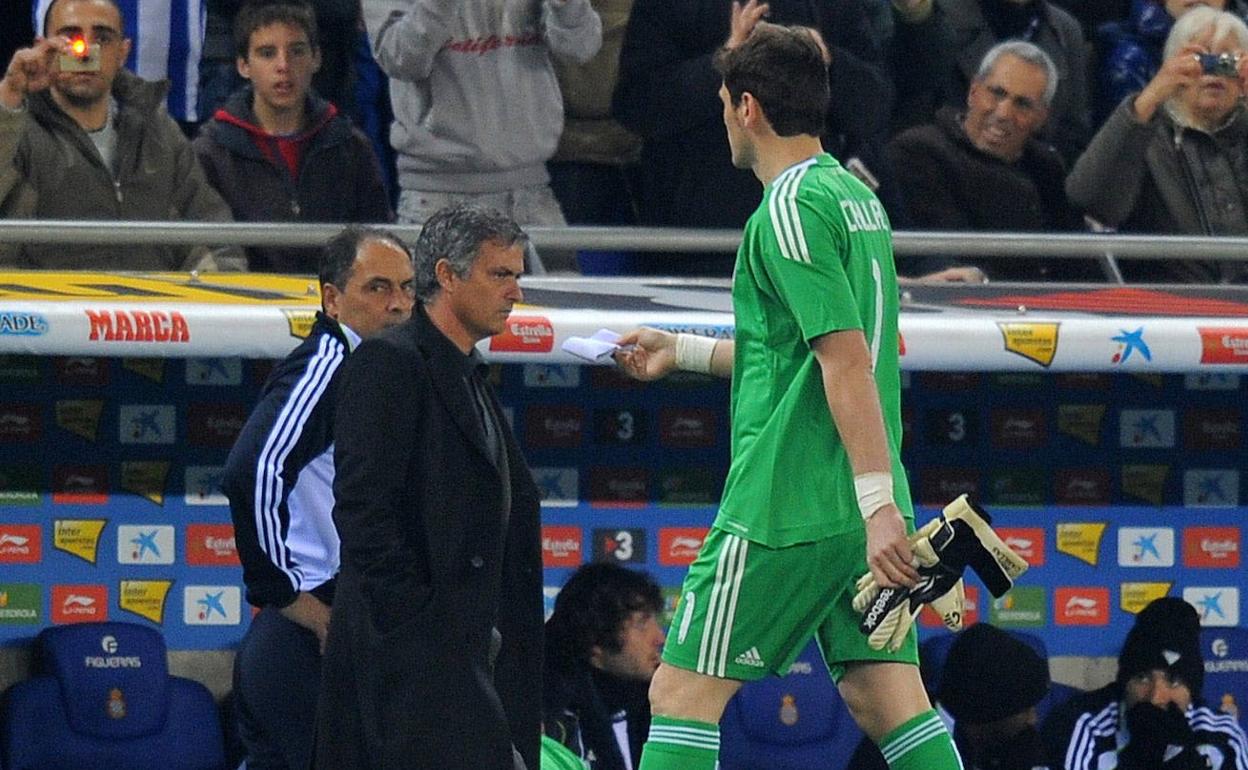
(1226, 670)
(103, 698)
(795, 722)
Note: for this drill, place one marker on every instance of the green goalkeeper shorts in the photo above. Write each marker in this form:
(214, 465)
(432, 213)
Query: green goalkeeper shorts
(746, 610)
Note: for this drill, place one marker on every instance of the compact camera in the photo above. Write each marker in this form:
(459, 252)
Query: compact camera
(83, 57)
(1221, 64)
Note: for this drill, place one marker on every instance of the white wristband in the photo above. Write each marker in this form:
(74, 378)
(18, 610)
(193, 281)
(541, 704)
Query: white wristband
(694, 352)
(875, 490)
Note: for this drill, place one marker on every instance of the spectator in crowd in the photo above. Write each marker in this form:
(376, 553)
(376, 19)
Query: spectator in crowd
(995, 724)
(1132, 47)
(602, 648)
(167, 44)
(1093, 13)
(667, 95)
(978, 25)
(476, 102)
(594, 169)
(919, 48)
(984, 169)
(434, 653)
(1174, 157)
(82, 138)
(277, 152)
(279, 480)
(1151, 717)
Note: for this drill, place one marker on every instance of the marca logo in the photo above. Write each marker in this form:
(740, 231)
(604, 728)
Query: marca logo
(146, 424)
(17, 324)
(525, 334)
(78, 537)
(625, 546)
(203, 485)
(679, 546)
(1216, 605)
(211, 605)
(951, 427)
(1146, 428)
(214, 371)
(939, 485)
(1082, 540)
(1027, 542)
(79, 603)
(1137, 596)
(1018, 429)
(211, 545)
(1211, 488)
(214, 425)
(554, 426)
(82, 370)
(1083, 421)
(1033, 341)
(21, 604)
(81, 418)
(300, 322)
(561, 546)
(1211, 381)
(1212, 429)
(559, 487)
(687, 428)
(145, 598)
(553, 375)
(145, 544)
(688, 486)
(1216, 547)
(1022, 607)
(20, 543)
(620, 487)
(1145, 547)
(1083, 606)
(1145, 482)
(80, 485)
(148, 368)
(1223, 345)
(145, 479)
(20, 423)
(970, 615)
(1018, 486)
(138, 326)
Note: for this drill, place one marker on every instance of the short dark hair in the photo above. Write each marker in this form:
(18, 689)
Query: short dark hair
(338, 257)
(593, 606)
(261, 13)
(47, 14)
(784, 70)
(456, 233)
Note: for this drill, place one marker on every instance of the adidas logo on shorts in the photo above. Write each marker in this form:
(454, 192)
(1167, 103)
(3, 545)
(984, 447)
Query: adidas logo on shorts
(751, 658)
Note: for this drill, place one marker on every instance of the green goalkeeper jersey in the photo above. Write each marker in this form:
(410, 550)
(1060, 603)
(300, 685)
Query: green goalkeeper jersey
(816, 257)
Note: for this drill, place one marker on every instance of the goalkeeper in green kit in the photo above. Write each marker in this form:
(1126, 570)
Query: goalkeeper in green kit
(813, 535)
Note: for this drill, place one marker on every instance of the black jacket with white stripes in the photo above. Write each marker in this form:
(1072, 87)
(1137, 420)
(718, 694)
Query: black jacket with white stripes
(280, 475)
(1088, 733)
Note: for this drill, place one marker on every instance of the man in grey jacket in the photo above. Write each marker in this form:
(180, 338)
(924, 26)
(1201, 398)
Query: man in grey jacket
(81, 138)
(477, 108)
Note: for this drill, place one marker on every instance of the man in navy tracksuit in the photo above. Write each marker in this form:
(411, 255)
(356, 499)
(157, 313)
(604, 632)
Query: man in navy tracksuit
(279, 479)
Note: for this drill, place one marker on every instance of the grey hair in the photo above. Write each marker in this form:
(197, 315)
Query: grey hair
(1032, 54)
(456, 234)
(1197, 20)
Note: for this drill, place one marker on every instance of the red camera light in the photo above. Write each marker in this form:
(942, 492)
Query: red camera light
(78, 46)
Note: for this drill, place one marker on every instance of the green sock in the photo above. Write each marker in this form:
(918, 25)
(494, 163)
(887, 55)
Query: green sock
(922, 743)
(680, 744)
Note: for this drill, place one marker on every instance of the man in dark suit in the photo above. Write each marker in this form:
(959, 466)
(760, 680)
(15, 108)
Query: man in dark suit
(435, 645)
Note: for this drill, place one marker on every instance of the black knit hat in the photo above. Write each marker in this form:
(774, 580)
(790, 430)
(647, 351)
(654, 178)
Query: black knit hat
(990, 675)
(1166, 636)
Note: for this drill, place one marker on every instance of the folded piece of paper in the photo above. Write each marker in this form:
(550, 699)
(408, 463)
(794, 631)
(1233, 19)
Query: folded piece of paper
(597, 348)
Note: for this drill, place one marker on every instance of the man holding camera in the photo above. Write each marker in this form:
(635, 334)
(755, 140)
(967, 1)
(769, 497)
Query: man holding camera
(81, 138)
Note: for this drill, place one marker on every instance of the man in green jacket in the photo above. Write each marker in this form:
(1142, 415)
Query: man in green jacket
(80, 138)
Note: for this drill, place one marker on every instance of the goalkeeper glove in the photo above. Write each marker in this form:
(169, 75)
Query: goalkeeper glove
(961, 536)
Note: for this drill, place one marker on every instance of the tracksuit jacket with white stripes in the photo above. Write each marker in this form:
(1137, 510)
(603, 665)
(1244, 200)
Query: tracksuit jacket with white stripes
(280, 475)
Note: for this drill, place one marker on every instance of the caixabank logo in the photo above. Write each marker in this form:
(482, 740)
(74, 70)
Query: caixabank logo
(145, 544)
(1145, 547)
(1211, 488)
(214, 371)
(559, 487)
(146, 424)
(20, 543)
(1146, 428)
(203, 485)
(1216, 605)
(79, 604)
(211, 605)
